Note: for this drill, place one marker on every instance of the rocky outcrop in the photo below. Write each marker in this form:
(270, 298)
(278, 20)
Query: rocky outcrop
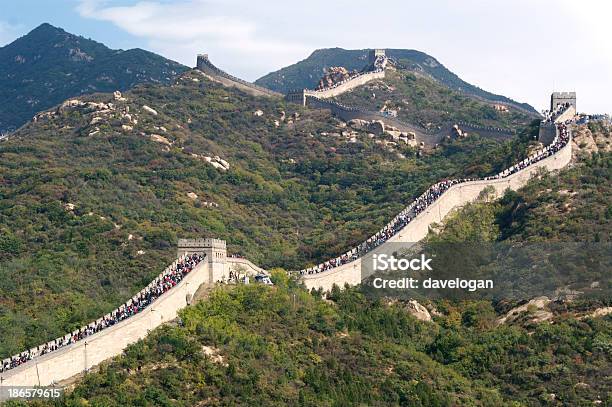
(535, 310)
(335, 75)
(418, 311)
(149, 110)
(587, 142)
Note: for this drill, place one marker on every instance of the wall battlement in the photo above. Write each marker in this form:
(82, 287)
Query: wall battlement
(562, 98)
(205, 242)
(429, 137)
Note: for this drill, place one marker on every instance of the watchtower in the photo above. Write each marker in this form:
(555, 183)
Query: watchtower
(202, 61)
(296, 96)
(562, 98)
(374, 54)
(215, 251)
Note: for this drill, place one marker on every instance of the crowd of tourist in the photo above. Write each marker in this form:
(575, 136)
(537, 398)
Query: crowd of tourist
(163, 283)
(551, 115)
(429, 197)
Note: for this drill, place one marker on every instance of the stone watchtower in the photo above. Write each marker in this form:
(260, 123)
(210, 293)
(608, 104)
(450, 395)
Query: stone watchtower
(215, 251)
(202, 61)
(562, 98)
(374, 54)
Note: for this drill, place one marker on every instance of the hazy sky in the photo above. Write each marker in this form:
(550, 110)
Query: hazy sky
(522, 48)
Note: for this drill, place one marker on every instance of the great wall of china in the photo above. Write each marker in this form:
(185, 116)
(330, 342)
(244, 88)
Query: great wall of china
(320, 99)
(455, 197)
(218, 75)
(78, 357)
(54, 367)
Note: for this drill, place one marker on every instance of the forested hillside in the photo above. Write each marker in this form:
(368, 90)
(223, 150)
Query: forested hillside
(95, 193)
(418, 99)
(253, 345)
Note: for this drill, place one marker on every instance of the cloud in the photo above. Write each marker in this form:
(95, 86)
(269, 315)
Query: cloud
(180, 30)
(522, 49)
(9, 32)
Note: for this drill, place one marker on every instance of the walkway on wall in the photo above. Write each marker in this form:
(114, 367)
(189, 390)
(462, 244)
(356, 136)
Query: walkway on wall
(322, 99)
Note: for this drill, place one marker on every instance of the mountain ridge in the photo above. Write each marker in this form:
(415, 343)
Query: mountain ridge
(307, 72)
(68, 65)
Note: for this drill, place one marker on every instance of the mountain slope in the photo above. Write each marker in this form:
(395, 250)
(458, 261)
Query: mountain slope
(421, 100)
(306, 73)
(255, 345)
(93, 196)
(49, 65)
(281, 346)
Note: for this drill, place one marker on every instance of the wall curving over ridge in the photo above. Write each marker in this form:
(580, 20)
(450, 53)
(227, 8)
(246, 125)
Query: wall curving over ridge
(455, 197)
(218, 75)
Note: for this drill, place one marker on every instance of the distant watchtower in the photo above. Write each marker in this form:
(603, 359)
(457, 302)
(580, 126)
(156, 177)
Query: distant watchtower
(374, 54)
(215, 251)
(202, 61)
(562, 98)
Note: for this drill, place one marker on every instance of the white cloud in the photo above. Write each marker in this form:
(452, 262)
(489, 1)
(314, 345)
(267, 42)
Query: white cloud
(522, 49)
(9, 32)
(180, 30)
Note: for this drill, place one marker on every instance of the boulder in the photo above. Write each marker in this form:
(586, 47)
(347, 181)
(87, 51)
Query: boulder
(117, 95)
(149, 110)
(357, 123)
(160, 139)
(377, 127)
(418, 311)
(395, 134)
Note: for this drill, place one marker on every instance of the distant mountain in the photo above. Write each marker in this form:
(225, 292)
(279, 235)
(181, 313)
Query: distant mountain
(306, 73)
(49, 65)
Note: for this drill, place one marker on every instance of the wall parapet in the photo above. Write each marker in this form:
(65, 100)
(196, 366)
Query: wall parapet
(428, 136)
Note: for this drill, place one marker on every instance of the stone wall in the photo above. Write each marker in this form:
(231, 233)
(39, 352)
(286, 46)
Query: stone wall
(204, 65)
(347, 113)
(498, 133)
(430, 138)
(547, 132)
(456, 196)
(82, 355)
(350, 84)
(561, 98)
(568, 114)
(235, 263)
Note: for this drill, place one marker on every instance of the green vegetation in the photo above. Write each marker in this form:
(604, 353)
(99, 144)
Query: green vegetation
(283, 346)
(573, 206)
(306, 73)
(293, 195)
(280, 345)
(421, 100)
(49, 65)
